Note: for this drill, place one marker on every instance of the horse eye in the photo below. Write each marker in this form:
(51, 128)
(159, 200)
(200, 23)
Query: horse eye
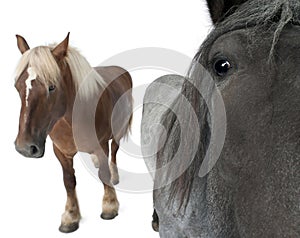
(221, 67)
(51, 88)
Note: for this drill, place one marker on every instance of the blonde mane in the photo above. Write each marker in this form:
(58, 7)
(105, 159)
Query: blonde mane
(44, 64)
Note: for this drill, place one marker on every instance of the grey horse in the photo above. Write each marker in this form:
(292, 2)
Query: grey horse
(223, 142)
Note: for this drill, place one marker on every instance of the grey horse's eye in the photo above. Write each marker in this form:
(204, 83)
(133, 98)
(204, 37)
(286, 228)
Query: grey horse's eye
(221, 67)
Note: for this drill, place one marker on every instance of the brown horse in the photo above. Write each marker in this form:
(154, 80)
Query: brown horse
(50, 80)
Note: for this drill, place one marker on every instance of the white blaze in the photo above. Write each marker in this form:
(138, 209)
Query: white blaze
(31, 77)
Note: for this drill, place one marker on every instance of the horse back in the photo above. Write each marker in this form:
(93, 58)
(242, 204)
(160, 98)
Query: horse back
(114, 111)
(118, 81)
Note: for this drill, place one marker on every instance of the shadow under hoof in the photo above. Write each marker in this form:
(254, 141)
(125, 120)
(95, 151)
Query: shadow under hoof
(69, 228)
(155, 226)
(108, 216)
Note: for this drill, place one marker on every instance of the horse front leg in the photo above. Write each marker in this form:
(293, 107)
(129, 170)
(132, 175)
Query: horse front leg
(110, 204)
(71, 217)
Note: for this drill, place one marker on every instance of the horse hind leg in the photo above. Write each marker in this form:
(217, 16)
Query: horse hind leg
(113, 164)
(110, 204)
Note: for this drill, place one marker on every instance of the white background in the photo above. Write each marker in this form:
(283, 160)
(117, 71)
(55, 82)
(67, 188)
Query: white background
(32, 196)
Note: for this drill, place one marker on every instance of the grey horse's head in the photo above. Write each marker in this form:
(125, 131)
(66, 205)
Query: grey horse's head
(253, 56)
(253, 190)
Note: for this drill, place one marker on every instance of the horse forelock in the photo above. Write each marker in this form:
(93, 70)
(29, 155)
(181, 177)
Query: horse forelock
(48, 72)
(41, 60)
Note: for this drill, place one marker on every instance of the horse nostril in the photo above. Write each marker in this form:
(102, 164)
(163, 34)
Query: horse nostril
(33, 150)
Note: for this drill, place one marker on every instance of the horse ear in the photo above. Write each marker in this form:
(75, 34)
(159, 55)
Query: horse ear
(60, 51)
(219, 9)
(22, 44)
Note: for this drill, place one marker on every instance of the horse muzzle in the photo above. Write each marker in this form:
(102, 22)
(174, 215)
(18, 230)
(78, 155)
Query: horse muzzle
(30, 150)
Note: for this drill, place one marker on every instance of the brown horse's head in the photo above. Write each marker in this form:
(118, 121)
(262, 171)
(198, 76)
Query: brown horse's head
(39, 81)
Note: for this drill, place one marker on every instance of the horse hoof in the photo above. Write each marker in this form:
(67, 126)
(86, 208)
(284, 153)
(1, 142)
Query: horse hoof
(69, 228)
(155, 226)
(108, 216)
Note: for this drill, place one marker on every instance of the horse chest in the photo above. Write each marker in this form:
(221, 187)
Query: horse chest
(62, 137)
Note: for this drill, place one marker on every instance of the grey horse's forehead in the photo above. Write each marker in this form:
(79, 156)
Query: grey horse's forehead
(263, 16)
(233, 41)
